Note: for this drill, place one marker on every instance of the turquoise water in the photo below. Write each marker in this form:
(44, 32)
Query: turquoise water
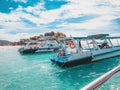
(36, 72)
(113, 83)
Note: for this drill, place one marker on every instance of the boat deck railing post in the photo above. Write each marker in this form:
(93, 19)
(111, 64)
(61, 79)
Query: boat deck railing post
(111, 43)
(101, 80)
(118, 42)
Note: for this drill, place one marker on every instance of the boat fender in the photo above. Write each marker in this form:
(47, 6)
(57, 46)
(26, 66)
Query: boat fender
(62, 52)
(107, 46)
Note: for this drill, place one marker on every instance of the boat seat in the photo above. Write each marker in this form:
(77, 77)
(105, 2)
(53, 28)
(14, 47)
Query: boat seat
(103, 45)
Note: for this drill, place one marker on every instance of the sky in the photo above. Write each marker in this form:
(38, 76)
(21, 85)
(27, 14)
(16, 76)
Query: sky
(25, 18)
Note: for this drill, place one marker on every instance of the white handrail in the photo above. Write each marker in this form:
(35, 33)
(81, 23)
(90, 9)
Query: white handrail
(101, 80)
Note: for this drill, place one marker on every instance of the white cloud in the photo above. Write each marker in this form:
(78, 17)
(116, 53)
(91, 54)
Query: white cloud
(106, 10)
(74, 9)
(15, 37)
(9, 17)
(93, 24)
(10, 22)
(24, 1)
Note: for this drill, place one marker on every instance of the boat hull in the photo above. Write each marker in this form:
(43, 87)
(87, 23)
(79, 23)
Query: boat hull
(21, 50)
(39, 50)
(101, 55)
(108, 54)
(73, 62)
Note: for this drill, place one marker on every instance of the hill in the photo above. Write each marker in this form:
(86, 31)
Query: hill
(48, 35)
(4, 42)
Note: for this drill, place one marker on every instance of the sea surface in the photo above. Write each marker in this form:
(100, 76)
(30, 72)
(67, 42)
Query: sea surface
(36, 72)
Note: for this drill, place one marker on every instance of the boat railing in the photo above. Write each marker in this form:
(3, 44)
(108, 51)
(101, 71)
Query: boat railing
(101, 80)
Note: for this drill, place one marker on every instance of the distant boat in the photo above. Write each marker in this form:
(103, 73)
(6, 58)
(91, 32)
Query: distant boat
(83, 50)
(34, 46)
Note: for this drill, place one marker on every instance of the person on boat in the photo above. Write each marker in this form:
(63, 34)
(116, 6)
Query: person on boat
(62, 52)
(107, 46)
(100, 46)
(104, 45)
(37, 46)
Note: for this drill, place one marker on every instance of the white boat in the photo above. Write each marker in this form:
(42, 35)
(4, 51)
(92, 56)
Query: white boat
(34, 46)
(83, 50)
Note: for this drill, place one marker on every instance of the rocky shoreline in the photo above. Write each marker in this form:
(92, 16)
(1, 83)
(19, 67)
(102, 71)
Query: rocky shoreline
(50, 35)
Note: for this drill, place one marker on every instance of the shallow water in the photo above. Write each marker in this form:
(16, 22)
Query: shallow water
(36, 72)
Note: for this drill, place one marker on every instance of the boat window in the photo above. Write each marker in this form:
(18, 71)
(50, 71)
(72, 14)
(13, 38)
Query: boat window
(25, 44)
(50, 45)
(69, 46)
(87, 45)
(115, 42)
(33, 43)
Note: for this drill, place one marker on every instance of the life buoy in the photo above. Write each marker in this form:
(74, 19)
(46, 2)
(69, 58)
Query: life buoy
(107, 46)
(62, 53)
(72, 46)
(70, 43)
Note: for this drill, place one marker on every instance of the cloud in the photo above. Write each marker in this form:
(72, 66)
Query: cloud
(24, 1)
(15, 37)
(77, 17)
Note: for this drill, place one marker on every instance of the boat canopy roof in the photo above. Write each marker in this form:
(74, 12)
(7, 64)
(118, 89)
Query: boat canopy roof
(70, 38)
(97, 36)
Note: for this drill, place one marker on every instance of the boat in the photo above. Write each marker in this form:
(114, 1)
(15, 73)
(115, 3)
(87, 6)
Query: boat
(83, 50)
(35, 46)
